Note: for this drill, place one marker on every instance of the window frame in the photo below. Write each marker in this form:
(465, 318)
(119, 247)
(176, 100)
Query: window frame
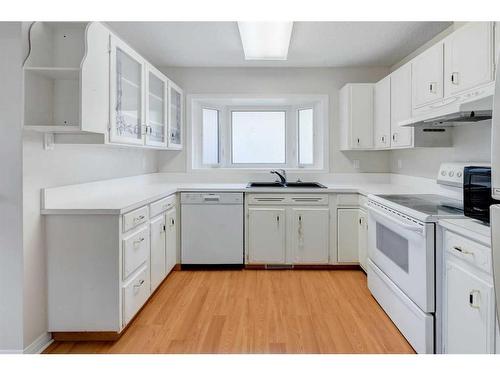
(225, 104)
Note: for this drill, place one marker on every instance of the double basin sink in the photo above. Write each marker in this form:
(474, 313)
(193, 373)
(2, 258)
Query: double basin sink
(297, 184)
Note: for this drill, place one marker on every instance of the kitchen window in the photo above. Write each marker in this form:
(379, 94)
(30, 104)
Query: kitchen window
(289, 132)
(258, 137)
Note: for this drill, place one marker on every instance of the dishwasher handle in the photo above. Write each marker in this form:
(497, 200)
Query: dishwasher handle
(211, 198)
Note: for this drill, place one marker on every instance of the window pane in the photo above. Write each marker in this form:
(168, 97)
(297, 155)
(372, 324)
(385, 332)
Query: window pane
(258, 137)
(306, 136)
(210, 135)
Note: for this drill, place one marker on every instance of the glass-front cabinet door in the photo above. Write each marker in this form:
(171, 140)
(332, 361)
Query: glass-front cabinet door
(127, 123)
(156, 108)
(175, 109)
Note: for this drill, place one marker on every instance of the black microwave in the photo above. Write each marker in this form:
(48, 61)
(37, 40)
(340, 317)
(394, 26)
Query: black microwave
(477, 193)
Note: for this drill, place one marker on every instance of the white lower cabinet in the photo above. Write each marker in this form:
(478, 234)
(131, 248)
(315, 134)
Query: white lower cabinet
(288, 229)
(266, 235)
(135, 293)
(158, 251)
(363, 239)
(103, 268)
(309, 239)
(468, 297)
(469, 319)
(347, 235)
(171, 239)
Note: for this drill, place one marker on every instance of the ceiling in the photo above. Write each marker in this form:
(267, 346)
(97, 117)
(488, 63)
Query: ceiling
(313, 44)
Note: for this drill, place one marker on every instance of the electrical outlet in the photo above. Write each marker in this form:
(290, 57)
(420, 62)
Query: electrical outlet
(48, 141)
(400, 164)
(355, 164)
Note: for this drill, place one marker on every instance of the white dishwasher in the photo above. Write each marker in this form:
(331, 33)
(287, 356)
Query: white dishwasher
(211, 228)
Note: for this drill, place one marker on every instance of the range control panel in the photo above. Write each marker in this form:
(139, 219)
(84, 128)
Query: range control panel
(452, 174)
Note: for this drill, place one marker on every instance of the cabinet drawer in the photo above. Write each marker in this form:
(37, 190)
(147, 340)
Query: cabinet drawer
(135, 251)
(302, 199)
(135, 218)
(347, 199)
(162, 205)
(470, 251)
(135, 293)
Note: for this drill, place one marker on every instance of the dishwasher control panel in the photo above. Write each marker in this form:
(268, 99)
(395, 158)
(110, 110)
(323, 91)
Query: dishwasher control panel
(211, 198)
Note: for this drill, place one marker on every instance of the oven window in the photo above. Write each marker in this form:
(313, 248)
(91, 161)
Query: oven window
(393, 246)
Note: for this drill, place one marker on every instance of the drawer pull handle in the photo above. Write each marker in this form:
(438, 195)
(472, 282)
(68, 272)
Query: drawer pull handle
(141, 282)
(459, 249)
(473, 299)
(137, 242)
(138, 218)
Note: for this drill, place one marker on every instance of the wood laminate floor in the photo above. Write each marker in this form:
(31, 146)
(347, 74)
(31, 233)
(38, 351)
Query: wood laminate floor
(256, 311)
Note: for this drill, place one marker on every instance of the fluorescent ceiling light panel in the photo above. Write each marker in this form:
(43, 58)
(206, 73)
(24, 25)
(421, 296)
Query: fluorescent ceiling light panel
(265, 40)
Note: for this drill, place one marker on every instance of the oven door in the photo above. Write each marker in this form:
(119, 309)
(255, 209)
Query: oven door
(404, 251)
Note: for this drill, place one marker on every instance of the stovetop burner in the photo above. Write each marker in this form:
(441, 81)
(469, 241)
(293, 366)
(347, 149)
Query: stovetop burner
(430, 204)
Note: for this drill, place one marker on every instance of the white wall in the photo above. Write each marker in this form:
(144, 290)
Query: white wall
(282, 81)
(471, 142)
(11, 251)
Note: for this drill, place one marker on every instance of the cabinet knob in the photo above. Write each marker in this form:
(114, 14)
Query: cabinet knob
(454, 78)
(473, 299)
(432, 87)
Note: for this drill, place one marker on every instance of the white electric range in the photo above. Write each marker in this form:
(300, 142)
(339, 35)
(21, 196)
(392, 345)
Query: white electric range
(402, 257)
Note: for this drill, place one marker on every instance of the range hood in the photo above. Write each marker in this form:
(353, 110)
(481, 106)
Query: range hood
(464, 109)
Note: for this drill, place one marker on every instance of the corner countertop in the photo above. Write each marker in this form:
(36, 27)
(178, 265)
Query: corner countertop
(120, 196)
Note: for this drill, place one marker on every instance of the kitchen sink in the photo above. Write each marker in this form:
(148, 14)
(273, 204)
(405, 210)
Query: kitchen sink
(300, 184)
(297, 184)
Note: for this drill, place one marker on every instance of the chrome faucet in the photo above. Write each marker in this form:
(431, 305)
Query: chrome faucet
(281, 173)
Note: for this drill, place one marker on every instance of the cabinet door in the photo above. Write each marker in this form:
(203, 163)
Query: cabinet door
(401, 107)
(310, 235)
(156, 108)
(427, 76)
(347, 235)
(361, 116)
(158, 254)
(175, 117)
(469, 312)
(171, 239)
(363, 239)
(382, 113)
(266, 235)
(127, 95)
(468, 57)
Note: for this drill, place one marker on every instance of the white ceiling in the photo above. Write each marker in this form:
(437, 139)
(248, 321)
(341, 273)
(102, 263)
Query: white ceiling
(313, 44)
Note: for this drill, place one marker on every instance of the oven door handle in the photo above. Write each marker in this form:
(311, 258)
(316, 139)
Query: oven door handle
(414, 228)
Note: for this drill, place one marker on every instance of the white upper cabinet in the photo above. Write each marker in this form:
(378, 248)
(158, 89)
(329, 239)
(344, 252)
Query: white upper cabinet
(156, 107)
(175, 110)
(356, 116)
(427, 76)
(468, 57)
(127, 95)
(310, 227)
(382, 113)
(401, 107)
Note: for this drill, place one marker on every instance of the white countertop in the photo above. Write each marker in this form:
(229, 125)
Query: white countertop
(123, 195)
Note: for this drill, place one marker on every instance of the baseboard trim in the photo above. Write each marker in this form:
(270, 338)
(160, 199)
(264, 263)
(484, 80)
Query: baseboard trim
(39, 345)
(307, 267)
